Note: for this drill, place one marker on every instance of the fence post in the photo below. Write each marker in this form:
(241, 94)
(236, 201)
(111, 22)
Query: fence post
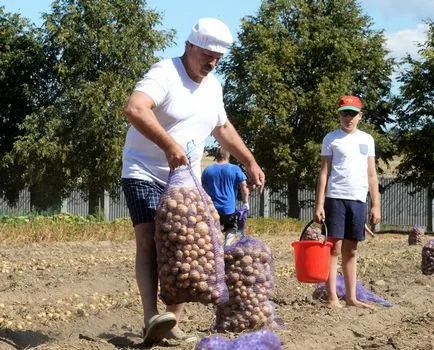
(106, 205)
(429, 203)
(264, 204)
(64, 206)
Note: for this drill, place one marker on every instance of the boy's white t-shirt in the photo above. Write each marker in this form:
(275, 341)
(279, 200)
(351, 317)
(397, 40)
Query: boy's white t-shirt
(348, 177)
(187, 110)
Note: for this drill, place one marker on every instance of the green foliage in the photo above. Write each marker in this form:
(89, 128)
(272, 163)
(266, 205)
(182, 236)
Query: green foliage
(101, 48)
(284, 76)
(415, 117)
(24, 77)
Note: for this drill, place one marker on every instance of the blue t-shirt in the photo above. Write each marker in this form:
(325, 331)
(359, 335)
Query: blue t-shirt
(221, 182)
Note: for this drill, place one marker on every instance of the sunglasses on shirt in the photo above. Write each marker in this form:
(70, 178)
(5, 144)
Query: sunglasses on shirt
(348, 113)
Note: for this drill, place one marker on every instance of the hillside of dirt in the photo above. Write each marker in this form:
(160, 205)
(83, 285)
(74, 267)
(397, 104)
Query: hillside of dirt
(83, 295)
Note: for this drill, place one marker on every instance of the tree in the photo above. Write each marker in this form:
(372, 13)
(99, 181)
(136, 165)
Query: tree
(24, 87)
(414, 108)
(284, 76)
(101, 49)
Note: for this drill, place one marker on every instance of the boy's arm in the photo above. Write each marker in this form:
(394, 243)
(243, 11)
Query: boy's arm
(321, 188)
(375, 213)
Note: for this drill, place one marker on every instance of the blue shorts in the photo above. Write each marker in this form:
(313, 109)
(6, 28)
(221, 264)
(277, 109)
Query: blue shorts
(345, 219)
(142, 198)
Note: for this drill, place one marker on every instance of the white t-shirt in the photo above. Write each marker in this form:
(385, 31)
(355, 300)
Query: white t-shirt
(348, 177)
(187, 110)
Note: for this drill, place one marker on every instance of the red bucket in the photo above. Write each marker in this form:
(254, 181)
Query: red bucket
(312, 258)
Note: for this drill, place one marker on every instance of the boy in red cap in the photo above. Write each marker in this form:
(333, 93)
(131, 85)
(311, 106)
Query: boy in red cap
(347, 174)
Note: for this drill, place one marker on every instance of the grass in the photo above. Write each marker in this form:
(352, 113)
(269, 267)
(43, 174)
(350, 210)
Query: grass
(270, 226)
(62, 228)
(68, 228)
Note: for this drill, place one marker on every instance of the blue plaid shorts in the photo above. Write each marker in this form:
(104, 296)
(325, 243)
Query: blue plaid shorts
(142, 198)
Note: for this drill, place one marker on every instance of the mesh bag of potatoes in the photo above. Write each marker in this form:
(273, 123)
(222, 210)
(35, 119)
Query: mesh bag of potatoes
(250, 279)
(428, 258)
(312, 233)
(258, 340)
(415, 235)
(190, 257)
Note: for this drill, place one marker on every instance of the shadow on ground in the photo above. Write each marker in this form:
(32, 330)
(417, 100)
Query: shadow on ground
(127, 340)
(21, 340)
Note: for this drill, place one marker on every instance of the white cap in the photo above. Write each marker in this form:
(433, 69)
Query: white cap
(211, 34)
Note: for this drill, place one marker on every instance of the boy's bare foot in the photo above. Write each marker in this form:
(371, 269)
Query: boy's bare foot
(334, 304)
(357, 303)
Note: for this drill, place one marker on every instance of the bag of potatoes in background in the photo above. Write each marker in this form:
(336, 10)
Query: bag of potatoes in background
(189, 243)
(428, 258)
(415, 235)
(250, 279)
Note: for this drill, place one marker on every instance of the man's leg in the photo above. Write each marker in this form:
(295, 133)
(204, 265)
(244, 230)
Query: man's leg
(176, 333)
(228, 223)
(146, 268)
(156, 326)
(142, 198)
(177, 309)
(146, 272)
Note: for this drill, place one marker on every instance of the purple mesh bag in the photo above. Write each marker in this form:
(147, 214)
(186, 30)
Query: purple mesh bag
(362, 294)
(190, 256)
(242, 217)
(259, 340)
(250, 279)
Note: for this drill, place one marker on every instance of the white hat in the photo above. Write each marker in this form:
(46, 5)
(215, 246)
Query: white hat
(211, 34)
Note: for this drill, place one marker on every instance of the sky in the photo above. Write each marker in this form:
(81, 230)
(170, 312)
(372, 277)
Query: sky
(402, 20)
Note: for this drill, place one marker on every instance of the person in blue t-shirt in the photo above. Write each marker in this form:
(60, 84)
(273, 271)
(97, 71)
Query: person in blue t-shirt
(222, 181)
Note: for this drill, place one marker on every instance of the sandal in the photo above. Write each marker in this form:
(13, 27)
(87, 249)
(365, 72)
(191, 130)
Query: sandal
(176, 334)
(158, 326)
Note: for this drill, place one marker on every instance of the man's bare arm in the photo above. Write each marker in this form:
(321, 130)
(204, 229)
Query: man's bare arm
(229, 139)
(139, 113)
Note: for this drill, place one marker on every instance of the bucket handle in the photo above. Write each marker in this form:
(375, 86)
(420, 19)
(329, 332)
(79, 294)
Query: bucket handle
(310, 223)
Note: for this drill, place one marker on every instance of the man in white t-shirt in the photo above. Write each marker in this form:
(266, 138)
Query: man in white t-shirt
(347, 174)
(179, 102)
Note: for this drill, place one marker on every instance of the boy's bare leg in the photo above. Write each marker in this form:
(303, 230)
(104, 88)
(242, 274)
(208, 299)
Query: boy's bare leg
(349, 268)
(332, 297)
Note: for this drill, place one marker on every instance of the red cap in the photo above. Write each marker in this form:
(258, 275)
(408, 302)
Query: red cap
(352, 103)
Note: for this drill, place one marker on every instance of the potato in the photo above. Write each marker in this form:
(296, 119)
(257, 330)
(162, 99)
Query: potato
(202, 228)
(182, 210)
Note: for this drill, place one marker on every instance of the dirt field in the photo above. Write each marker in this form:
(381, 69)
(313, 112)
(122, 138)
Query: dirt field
(83, 296)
